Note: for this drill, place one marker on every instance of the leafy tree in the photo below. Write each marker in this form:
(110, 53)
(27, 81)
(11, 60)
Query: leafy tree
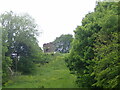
(94, 54)
(20, 34)
(107, 67)
(62, 43)
(6, 61)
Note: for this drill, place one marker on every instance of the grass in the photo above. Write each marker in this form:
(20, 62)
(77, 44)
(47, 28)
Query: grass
(52, 75)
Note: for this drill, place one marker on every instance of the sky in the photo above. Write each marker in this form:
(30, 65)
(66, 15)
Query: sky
(54, 17)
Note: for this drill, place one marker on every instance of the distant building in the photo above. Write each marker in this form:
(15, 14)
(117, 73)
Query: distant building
(48, 47)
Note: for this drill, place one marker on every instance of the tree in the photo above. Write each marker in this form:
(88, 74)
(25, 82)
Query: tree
(94, 54)
(62, 43)
(20, 41)
(6, 61)
(107, 60)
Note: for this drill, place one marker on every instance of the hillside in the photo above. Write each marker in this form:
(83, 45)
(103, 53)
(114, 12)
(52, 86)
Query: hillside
(55, 74)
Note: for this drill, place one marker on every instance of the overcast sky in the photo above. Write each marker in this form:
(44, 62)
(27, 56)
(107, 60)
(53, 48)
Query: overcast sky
(54, 17)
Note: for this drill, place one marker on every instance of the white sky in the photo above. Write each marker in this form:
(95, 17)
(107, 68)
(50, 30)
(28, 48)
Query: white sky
(55, 17)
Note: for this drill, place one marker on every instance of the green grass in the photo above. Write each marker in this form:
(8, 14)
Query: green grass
(52, 75)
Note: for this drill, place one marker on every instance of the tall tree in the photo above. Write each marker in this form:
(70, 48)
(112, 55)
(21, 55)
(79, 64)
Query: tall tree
(6, 61)
(94, 54)
(107, 67)
(19, 41)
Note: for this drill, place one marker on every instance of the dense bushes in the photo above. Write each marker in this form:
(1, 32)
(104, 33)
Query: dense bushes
(94, 54)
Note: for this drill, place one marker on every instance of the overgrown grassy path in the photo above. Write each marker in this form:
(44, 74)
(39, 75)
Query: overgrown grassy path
(52, 75)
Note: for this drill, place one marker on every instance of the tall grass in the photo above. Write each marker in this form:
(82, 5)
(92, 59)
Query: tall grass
(54, 74)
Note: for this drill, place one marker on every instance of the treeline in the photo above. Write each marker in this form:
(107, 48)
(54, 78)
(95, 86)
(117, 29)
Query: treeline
(20, 47)
(62, 43)
(94, 56)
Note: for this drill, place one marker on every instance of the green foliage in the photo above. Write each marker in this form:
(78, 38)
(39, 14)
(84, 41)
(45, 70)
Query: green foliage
(62, 43)
(107, 57)
(19, 44)
(94, 54)
(0, 56)
(6, 61)
(26, 65)
(55, 74)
